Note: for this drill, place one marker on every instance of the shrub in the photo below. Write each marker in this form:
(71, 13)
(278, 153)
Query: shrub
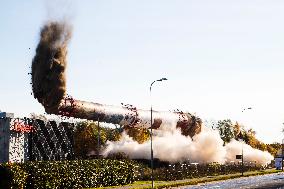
(67, 174)
(181, 171)
(12, 175)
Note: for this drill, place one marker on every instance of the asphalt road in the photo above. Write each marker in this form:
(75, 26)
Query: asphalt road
(270, 181)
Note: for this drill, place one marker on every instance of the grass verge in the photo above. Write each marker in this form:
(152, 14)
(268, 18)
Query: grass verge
(167, 184)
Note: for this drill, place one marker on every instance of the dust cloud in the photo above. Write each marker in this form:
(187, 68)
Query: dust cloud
(172, 146)
(49, 64)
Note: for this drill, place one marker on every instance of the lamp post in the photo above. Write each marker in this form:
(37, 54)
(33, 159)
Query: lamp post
(151, 133)
(249, 108)
(99, 142)
(242, 158)
(282, 149)
(282, 156)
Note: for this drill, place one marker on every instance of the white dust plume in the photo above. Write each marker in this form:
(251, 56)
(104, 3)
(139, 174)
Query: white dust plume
(172, 146)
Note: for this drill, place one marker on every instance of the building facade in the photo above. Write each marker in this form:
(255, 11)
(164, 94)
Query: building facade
(25, 139)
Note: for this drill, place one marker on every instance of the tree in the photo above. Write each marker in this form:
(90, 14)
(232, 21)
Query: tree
(251, 132)
(86, 138)
(226, 130)
(250, 139)
(273, 148)
(229, 131)
(112, 134)
(138, 134)
(237, 131)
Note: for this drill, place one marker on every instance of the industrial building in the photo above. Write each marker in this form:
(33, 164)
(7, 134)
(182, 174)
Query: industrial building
(26, 139)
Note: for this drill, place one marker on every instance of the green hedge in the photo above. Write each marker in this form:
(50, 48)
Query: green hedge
(67, 174)
(180, 171)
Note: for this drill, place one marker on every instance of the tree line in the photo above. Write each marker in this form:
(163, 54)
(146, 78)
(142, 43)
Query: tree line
(229, 130)
(88, 134)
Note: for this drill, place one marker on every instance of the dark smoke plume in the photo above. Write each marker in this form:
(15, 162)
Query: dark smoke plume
(48, 65)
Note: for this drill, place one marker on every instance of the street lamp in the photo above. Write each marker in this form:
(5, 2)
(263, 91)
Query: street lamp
(249, 108)
(242, 158)
(151, 133)
(99, 142)
(282, 149)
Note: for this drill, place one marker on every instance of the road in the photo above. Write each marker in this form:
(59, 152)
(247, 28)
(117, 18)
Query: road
(270, 181)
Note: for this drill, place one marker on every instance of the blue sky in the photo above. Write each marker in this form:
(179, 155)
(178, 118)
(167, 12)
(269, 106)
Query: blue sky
(219, 56)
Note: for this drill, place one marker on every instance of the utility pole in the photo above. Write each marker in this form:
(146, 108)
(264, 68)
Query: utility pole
(242, 159)
(282, 148)
(151, 132)
(99, 142)
(244, 109)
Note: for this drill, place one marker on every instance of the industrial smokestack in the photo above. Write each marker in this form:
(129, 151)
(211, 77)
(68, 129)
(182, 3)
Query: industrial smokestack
(128, 115)
(49, 88)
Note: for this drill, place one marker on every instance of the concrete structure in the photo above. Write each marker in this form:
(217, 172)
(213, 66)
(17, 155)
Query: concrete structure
(24, 139)
(4, 139)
